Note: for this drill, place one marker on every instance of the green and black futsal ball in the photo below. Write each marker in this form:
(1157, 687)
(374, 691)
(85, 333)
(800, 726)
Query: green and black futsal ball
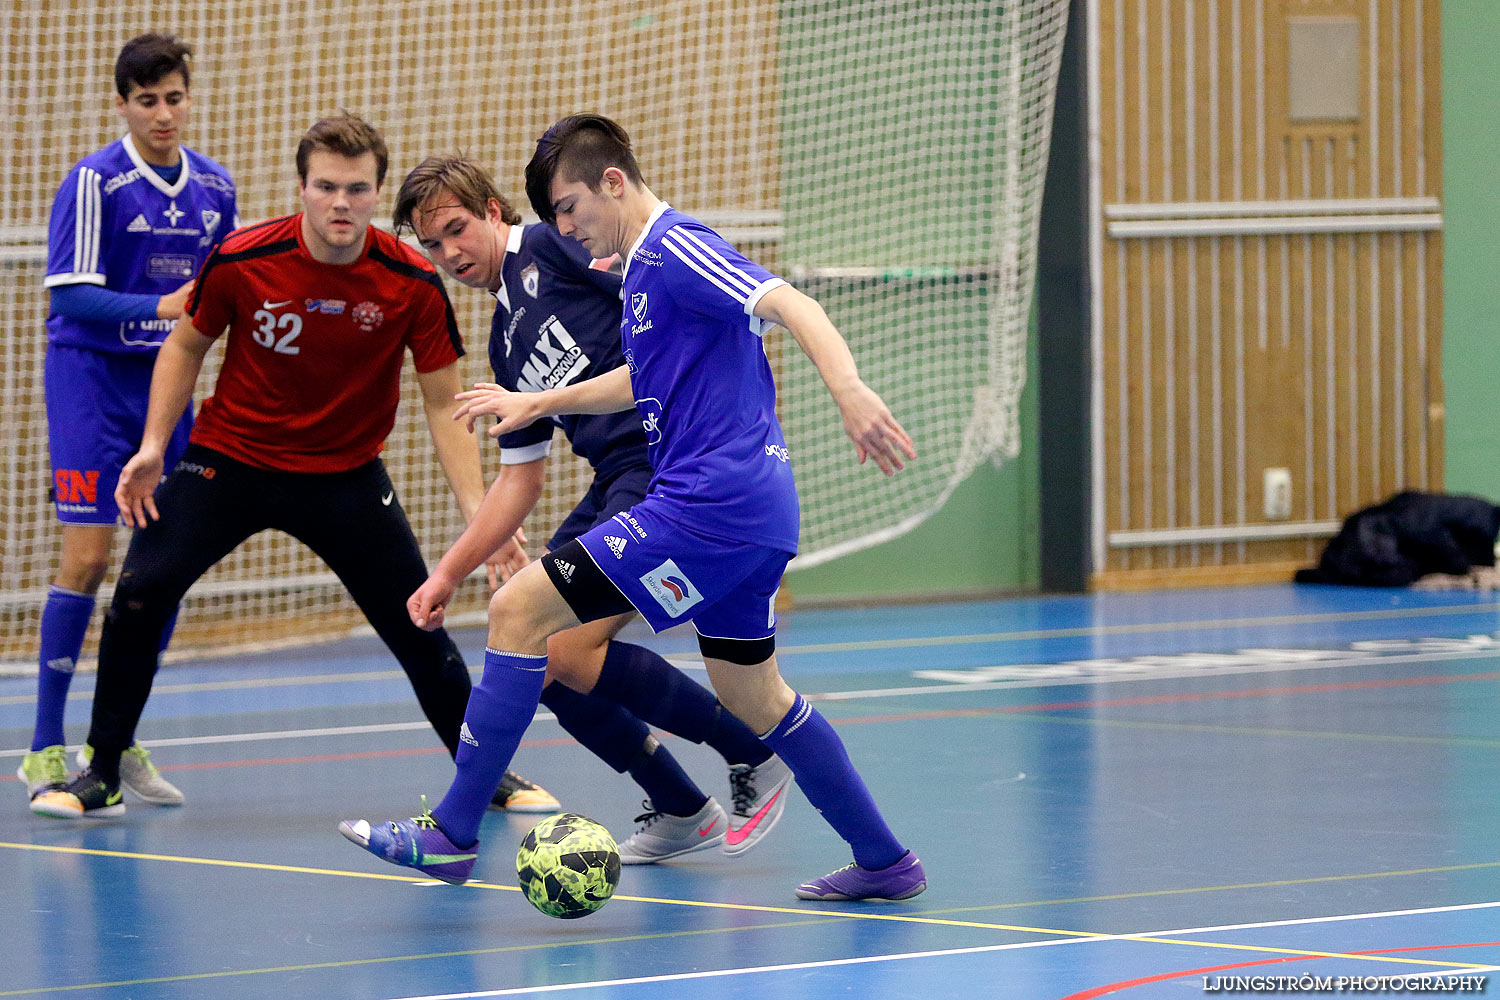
(568, 865)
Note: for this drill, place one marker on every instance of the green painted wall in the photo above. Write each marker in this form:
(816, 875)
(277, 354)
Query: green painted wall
(984, 540)
(1471, 246)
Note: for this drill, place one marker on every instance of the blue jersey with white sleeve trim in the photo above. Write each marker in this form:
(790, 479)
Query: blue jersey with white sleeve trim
(703, 385)
(116, 223)
(555, 324)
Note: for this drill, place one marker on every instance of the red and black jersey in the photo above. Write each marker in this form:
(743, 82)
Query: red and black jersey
(312, 366)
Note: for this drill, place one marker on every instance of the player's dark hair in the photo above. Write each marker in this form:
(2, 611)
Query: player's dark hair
(577, 148)
(467, 182)
(347, 135)
(145, 59)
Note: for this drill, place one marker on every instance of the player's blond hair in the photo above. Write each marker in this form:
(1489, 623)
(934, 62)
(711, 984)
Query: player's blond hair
(467, 182)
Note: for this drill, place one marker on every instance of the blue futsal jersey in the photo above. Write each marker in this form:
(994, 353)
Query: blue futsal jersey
(703, 385)
(115, 222)
(556, 324)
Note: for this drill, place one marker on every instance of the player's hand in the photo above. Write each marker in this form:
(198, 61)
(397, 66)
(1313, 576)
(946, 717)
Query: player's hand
(875, 433)
(514, 409)
(429, 603)
(171, 305)
(135, 492)
(508, 560)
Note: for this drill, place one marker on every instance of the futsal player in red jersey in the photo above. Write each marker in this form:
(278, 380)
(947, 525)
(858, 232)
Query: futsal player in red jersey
(320, 310)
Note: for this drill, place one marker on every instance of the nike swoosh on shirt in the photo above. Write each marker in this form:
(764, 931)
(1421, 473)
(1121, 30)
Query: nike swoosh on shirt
(386, 500)
(736, 835)
(267, 304)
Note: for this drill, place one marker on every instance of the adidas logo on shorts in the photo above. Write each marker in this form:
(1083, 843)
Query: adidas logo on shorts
(566, 569)
(138, 225)
(616, 545)
(464, 736)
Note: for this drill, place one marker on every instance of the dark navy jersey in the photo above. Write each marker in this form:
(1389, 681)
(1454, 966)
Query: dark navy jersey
(116, 223)
(557, 322)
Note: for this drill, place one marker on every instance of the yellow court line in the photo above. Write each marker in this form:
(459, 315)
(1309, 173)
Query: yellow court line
(387, 959)
(744, 907)
(413, 880)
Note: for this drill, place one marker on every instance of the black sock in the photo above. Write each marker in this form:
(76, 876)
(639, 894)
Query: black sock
(670, 789)
(106, 764)
(604, 728)
(665, 697)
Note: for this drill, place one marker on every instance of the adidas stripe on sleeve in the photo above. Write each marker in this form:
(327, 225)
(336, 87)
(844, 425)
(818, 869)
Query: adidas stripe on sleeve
(75, 232)
(718, 266)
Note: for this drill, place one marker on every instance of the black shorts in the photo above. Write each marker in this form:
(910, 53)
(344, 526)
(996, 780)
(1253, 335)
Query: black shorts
(602, 502)
(210, 503)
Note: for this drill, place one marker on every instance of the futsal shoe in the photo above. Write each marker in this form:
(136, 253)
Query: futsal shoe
(662, 836)
(902, 880)
(518, 795)
(44, 770)
(86, 795)
(415, 843)
(759, 795)
(139, 776)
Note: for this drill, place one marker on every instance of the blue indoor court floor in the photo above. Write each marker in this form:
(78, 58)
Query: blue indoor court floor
(1167, 794)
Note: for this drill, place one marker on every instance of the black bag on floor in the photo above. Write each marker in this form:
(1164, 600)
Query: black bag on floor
(1395, 543)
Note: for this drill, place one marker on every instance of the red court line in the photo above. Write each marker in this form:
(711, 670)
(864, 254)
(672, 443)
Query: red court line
(1130, 984)
(952, 713)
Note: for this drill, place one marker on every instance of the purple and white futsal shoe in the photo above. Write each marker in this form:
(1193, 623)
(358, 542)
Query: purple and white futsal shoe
(415, 843)
(902, 880)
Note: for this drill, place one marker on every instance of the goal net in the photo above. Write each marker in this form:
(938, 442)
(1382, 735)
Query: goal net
(887, 157)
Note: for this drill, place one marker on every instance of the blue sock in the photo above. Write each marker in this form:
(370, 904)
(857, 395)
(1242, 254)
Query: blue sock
(500, 708)
(654, 690)
(65, 619)
(817, 757)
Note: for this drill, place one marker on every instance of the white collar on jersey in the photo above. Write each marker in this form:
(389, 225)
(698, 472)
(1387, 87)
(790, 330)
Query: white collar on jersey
(152, 177)
(512, 245)
(656, 213)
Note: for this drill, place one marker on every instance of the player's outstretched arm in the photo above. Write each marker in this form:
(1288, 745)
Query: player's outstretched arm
(178, 363)
(457, 450)
(608, 393)
(867, 420)
(510, 498)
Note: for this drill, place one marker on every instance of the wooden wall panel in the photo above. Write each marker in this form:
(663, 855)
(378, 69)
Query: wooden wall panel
(1238, 326)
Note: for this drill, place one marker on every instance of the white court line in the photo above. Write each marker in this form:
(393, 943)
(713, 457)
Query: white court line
(27, 668)
(1130, 672)
(293, 680)
(1139, 628)
(285, 734)
(1459, 969)
(830, 696)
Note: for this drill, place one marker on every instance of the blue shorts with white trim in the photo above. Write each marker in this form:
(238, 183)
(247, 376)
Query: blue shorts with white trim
(672, 574)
